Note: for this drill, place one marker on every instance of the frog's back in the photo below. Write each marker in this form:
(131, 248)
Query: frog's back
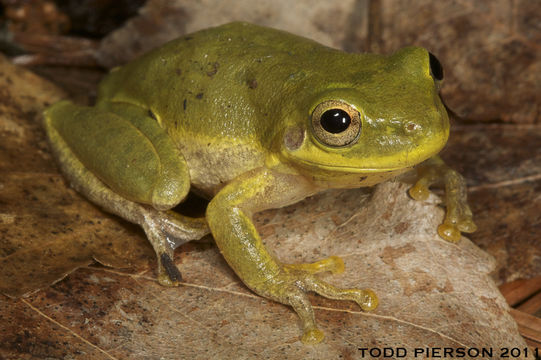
(219, 81)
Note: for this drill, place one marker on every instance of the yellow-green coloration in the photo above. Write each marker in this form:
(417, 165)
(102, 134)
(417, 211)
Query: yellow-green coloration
(255, 118)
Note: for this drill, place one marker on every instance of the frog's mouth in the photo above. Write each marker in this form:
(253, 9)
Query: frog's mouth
(354, 169)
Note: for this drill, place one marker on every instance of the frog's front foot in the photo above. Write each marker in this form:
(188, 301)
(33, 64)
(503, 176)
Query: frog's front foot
(458, 216)
(291, 285)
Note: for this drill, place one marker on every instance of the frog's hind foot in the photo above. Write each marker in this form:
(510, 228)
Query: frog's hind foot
(171, 275)
(167, 230)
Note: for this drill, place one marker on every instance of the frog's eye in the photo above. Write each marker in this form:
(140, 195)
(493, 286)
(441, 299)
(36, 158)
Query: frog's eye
(336, 123)
(436, 70)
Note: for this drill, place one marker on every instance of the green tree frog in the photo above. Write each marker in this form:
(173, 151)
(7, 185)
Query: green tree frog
(255, 118)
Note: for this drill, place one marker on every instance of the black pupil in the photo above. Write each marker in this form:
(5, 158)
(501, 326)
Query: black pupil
(435, 67)
(335, 120)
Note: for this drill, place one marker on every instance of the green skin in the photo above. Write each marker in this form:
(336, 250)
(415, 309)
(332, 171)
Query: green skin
(229, 113)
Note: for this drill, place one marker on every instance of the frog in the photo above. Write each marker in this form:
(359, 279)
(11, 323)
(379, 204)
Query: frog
(254, 118)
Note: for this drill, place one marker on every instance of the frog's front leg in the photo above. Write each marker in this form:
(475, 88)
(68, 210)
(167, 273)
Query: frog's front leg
(458, 216)
(229, 216)
(120, 159)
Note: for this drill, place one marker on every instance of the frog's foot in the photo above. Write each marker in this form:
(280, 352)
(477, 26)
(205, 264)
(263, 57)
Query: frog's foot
(419, 191)
(297, 298)
(458, 216)
(167, 230)
(168, 273)
(291, 286)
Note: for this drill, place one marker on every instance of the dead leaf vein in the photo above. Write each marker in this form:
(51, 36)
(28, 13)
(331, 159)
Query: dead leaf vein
(504, 183)
(392, 318)
(139, 276)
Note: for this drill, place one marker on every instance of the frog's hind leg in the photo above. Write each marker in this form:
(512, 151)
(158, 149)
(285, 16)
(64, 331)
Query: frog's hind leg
(165, 230)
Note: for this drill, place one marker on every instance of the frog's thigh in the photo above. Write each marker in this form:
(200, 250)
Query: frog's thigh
(165, 230)
(131, 153)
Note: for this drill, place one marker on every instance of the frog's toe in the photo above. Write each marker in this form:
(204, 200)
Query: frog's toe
(166, 231)
(295, 296)
(419, 191)
(365, 298)
(312, 336)
(334, 264)
(165, 280)
(458, 219)
(449, 232)
(467, 226)
(168, 273)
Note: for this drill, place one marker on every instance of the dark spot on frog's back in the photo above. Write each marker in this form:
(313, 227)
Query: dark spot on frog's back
(152, 115)
(178, 72)
(184, 103)
(213, 69)
(199, 96)
(252, 83)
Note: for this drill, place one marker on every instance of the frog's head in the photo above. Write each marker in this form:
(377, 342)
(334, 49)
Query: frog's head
(370, 124)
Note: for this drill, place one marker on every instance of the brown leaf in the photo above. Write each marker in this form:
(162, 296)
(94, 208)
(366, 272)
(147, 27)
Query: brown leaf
(46, 229)
(433, 293)
(529, 326)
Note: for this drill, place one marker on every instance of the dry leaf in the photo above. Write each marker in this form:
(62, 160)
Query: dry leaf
(433, 293)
